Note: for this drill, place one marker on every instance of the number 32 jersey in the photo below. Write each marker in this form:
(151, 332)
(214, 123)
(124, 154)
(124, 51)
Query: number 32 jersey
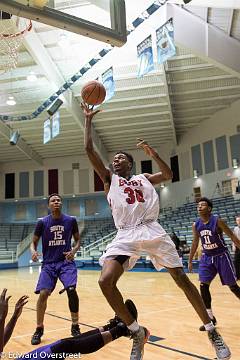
(211, 239)
(132, 201)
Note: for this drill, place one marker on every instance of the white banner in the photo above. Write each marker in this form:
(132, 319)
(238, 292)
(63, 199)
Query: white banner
(55, 124)
(145, 56)
(46, 131)
(165, 42)
(109, 84)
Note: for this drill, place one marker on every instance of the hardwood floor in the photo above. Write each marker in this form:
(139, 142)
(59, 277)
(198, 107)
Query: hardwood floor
(162, 308)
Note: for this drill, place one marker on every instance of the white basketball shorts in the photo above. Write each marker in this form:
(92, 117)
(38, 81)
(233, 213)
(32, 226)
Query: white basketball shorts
(148, 238)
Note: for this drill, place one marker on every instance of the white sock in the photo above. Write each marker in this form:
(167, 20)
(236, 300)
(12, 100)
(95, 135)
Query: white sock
(134, 326)
(210, 313)
(209, 327)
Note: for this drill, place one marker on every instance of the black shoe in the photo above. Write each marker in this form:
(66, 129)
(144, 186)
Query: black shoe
(214, 321)
(36, 338)
(116, 320)
(75, 331)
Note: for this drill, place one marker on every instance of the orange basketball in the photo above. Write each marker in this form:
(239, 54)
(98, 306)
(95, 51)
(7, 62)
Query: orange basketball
(93, 93)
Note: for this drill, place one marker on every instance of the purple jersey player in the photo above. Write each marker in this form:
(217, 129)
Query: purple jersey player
(216, 258)
(86, 343)
(56, 231)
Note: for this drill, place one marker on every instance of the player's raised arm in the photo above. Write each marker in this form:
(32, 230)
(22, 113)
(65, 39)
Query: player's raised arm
(12, 322)
(3, 314)
(165, 172)
(93, 156)
(194, 246)
(224, 227)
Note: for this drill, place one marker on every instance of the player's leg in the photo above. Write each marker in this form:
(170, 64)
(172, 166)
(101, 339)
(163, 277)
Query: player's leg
(191, 292)
(237, 263)
(227, 273)
(163, 253)
(68, 276)
(111, 272)
(207, 299)
(46, 284)
(90, 341)
(207, 272)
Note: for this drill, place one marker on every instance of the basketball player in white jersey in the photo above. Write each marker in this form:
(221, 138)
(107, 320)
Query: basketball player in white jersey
(135, 208)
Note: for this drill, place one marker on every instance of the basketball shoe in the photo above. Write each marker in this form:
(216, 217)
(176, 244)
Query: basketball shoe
(116, 320)
(36, 338)
(140, 337)
(75, 331)
(222, 350)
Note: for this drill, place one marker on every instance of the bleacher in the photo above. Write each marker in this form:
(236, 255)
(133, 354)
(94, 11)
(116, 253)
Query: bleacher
(180, 219)
(95, 230)
(10, 236)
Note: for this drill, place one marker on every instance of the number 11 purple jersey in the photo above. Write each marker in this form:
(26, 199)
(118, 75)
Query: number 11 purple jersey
(212, 241)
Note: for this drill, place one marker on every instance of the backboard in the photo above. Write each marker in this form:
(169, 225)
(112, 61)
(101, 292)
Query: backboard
(104, 20)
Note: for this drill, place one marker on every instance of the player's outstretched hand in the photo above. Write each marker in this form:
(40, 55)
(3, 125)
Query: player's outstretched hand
(35, 256)
(88, 112)
(190, 267)
(4, 305)
(142, 144)
(69, 255)
(19, 305)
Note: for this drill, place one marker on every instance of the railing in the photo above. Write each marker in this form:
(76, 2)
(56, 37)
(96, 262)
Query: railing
(24, 244)
(7, 256)
(85, 251)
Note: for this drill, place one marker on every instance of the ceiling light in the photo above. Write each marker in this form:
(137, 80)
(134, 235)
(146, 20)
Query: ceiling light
(32, 76)
(11, 101)
(235, 163)
(195, 174)
(14, 137)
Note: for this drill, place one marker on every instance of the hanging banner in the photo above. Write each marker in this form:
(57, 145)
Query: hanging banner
(55, 124)
(145, 56)
(165, 42)
(46, 131)
(109, 84)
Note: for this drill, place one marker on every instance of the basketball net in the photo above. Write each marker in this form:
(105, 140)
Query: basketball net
(12, 32)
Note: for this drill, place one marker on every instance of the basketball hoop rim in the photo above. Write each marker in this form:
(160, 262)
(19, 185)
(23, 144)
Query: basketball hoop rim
(28, 28)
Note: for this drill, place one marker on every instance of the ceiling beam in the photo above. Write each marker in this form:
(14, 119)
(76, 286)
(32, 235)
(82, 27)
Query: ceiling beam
(21, 145)
(142, 129)
(216, 89)
(206, 40)
(41, 57)
(230, 24)
(145, 115)
(169, 104)
(213, 98)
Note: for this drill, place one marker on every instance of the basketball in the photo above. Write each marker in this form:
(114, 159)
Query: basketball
(93, 93)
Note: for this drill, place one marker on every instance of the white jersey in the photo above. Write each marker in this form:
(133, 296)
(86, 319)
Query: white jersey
(132, 201)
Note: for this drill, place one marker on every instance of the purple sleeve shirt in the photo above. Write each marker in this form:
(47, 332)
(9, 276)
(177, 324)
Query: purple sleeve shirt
(56, 236)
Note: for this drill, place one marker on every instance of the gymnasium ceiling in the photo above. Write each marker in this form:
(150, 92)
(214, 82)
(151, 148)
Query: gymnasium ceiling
(160, 107)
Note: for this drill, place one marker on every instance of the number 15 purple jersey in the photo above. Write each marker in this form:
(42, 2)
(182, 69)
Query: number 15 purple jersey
(56, 236)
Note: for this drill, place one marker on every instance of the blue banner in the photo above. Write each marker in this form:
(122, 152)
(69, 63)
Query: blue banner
(109, 84)
(46, 131)
(145, 56)
(165, 42)
(55, 124)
